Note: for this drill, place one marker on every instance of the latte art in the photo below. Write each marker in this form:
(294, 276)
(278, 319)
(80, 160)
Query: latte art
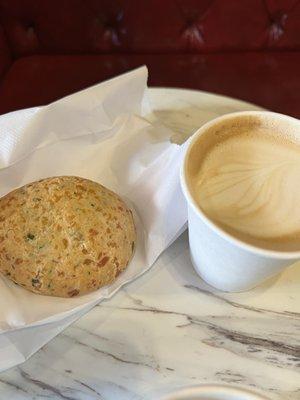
(249, 184)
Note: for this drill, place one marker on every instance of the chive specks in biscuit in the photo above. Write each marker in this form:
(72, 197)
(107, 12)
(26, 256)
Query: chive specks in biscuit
(64, 236)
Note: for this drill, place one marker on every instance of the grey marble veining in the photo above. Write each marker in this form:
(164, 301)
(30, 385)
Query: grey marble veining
(169, 329)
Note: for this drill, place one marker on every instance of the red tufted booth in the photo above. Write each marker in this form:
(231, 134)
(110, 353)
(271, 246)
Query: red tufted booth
(248, 49)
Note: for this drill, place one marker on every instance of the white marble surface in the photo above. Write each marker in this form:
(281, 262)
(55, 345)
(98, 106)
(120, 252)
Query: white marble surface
(169, 329)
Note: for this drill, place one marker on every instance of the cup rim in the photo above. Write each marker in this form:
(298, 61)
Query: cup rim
(191, 202)
(217, 389)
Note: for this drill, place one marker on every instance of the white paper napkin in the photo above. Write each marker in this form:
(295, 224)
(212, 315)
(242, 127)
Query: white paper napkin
(97, 134)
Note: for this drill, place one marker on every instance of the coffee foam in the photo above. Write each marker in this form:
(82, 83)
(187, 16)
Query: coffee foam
(248, 182)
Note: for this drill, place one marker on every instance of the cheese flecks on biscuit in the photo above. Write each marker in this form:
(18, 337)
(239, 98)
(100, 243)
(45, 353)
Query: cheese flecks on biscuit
(64, 236)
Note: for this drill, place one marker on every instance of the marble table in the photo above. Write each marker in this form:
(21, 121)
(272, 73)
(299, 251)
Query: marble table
(169, 329)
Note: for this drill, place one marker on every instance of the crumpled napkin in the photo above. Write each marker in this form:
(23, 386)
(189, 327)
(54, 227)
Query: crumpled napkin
(98, 134)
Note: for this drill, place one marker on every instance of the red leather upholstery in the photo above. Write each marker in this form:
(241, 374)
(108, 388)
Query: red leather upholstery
(5, 56)
(248, 49)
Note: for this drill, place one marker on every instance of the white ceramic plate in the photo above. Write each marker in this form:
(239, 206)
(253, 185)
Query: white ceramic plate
(216, 392)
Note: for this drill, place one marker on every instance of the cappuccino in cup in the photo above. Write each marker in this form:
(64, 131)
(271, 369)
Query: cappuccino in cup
(241, 180)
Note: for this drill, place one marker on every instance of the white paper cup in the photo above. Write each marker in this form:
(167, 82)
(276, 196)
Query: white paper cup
(215, 392)
(222, 260)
